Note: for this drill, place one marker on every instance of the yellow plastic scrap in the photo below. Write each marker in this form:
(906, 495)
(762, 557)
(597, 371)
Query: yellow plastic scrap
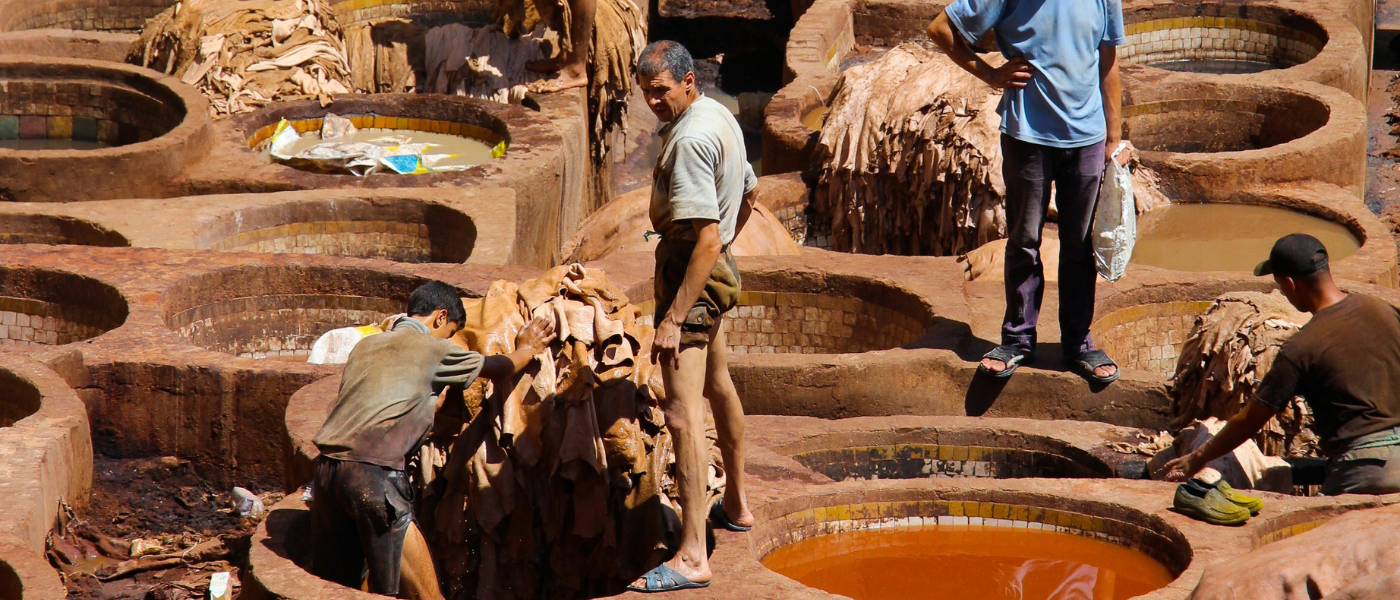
(499, 150)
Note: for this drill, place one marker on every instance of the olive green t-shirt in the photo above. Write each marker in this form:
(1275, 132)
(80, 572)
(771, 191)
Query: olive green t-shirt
(1345, 363)
(702, 172)
(388, 393)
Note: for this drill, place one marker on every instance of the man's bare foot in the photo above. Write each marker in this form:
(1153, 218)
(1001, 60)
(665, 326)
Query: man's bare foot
(558, 83)
(697, 571)
(993, 365)
(738, 507)
(1105, 371)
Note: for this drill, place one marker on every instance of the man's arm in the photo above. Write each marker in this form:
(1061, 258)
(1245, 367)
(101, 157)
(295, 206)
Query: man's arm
(750, 196)
(697, 273)
(1014, 74)
(1111, 86)
(1242, 426)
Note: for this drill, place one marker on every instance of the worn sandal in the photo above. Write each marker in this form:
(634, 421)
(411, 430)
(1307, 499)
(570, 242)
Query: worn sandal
(1088, 361)
(1010, 356)
(665, 579)
(720, 519)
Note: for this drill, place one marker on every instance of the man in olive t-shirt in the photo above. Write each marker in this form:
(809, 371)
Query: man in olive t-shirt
(1345, 363)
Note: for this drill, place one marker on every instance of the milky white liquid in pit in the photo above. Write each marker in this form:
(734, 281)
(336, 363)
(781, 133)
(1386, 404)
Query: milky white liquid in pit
(1228, 237)
(468, 151)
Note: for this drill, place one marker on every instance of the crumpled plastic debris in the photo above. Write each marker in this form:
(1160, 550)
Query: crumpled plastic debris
(391, 152)
(246, 503)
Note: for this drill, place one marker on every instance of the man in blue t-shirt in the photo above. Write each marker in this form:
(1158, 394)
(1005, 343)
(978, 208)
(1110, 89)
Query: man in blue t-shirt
(1060, 110)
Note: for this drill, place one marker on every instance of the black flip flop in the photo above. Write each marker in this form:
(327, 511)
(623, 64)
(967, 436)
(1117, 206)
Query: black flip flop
(665, 579)
(1010, 356)
(718, 517)
(1088, 361)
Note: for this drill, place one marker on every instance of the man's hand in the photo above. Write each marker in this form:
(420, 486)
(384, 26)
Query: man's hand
(667, 344)
(1124, 157)
(1016, 73)
(1182, 468)
(536, 336)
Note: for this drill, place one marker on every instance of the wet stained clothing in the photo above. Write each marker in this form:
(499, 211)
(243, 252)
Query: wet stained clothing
(702, 172)
(719, 296)
(1345, 363)
(1028, 170)
(1062, 105)
(388, 394)
(359, 515)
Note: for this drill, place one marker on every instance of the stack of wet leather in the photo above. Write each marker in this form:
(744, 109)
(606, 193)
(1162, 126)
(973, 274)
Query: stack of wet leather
(1227, 353)
(244, 54)
(559, 495)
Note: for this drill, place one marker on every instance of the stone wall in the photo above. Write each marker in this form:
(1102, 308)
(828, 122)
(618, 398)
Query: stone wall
(1148, 337)
(1197, 37)
(93, 15)
(86, 111)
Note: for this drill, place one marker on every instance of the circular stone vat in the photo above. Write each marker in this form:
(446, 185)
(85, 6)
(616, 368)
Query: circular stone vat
(1222, 124)
(21, 398)
(1290, 524)
(1229, 237)
(40, 307)
(458, 127)
(90, 15)
(278, 312)
(944, 453)
(86, 130)
(52, 229)
(1210, 139)
(403, 230)
(1251, 39)
(794, 314)
(983, 541)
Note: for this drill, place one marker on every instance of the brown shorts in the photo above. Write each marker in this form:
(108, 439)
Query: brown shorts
(359, 515)
(721, 293)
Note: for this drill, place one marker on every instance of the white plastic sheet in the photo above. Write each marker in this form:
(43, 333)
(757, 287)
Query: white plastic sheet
(1115, 219)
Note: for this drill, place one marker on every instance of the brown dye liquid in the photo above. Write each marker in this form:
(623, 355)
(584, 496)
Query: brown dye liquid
(468, 151)
(814, 118)
(1228, 237)
(968, 563)
(51, 145)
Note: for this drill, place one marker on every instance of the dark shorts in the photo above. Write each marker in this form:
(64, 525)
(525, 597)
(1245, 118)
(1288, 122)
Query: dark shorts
(721, 293)
(359, 515)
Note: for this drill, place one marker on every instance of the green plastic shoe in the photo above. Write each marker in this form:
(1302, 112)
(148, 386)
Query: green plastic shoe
(1249, 502)
(1211, 506)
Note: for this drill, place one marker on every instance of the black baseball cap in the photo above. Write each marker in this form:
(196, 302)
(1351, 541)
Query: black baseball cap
(1294, 254)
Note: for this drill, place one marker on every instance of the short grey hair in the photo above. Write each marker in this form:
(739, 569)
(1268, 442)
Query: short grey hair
(665, 56)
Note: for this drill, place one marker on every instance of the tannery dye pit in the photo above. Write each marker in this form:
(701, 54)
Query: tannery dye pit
(222, 221)
(971, 563)
(1229, 237)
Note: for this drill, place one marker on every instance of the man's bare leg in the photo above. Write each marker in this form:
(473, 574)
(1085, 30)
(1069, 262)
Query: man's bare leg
(571, 70)
(417, 576)
(729, 423)
(685, 418)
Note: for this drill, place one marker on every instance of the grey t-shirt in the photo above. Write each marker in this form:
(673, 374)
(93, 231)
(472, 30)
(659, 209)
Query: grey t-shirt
(702, 172)
(388, 393)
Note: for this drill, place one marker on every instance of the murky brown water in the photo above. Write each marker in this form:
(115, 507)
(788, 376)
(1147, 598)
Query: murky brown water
(1216, 66)
(968, 563)
(814, 118)
(51, 145)
(469, 151)
(1228, 237)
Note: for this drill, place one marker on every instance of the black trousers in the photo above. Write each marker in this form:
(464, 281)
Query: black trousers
(359, 515)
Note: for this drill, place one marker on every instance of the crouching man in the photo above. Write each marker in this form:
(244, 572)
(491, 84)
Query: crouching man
(362, 529)
(1345, 363)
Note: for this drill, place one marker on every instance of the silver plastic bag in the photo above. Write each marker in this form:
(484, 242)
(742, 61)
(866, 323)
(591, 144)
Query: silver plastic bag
(1115, 219)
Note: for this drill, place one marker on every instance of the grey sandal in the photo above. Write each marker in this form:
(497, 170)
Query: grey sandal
(1088, 361)
(665, 579)
(1010, 356)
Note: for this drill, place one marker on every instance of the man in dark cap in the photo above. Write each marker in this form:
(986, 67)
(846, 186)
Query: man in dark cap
(1345, 363)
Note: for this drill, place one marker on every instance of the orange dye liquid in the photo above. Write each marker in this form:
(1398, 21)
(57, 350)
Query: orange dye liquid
(968, 563)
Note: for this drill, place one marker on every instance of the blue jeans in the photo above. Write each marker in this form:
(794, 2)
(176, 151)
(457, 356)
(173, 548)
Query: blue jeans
(1028, 170)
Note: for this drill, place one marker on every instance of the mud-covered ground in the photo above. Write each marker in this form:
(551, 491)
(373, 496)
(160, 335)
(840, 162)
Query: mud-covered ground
(183, 529)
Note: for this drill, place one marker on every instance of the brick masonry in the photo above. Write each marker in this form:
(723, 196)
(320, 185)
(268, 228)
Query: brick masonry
(797, 323)
(276, 325)
(81, 110)
(89, 15)
(1196, 38)
(914, 461)
(1148, 337)
(404, 242)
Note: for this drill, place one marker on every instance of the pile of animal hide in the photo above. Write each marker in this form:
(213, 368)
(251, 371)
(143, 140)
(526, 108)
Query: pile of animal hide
(1228, 352)
(384, 55)
(246, 53)
(918, 172)
(489, 62)
(559, 493)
